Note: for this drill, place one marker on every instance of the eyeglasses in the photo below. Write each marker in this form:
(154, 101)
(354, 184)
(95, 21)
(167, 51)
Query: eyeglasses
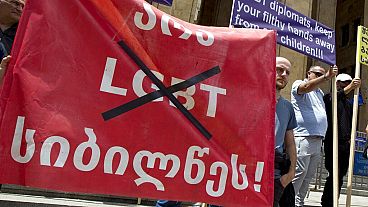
(345, 82)
(318, 74)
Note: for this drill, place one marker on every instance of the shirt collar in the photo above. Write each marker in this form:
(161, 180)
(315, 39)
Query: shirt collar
(10, 31)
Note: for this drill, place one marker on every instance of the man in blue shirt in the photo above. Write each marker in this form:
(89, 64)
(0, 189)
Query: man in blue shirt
(285, 122)
(310, 113)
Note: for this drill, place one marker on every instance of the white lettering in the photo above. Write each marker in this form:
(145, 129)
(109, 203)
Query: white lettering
(235, 177)
(17, 142)
(190, 161)
(106, 83)
(212, 102)
(46, 151)
(222, 182)
(81, 149)
(187, 94)
(138, 83)
(187, 33)
(124, 158)
(144, 177)
(138, 18)
(210, 38)
(166, 30)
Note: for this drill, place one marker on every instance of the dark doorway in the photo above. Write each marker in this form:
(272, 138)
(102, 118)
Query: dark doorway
(215, 13)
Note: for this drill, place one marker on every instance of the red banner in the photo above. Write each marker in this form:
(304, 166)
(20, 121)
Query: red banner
(116, 97)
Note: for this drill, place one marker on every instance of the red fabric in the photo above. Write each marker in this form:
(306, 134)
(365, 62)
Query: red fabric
(54, 81)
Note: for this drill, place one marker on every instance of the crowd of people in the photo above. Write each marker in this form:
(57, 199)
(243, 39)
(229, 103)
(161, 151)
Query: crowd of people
(301, 125)
(301, 128)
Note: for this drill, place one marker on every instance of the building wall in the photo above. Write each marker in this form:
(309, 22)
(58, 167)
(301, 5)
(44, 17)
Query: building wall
(187, 10)
(351, 14)
(349, 11)
(299, 62)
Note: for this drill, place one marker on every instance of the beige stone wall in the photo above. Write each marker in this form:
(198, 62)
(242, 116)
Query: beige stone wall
(298, 61)
(187, 10)
(325, 13)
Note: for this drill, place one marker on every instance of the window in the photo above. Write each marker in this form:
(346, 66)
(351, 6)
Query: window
(356, 23)
(344, 35)
(352, 70)
(342, 70)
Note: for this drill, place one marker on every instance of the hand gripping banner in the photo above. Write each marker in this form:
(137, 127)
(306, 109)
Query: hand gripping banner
(115, 97)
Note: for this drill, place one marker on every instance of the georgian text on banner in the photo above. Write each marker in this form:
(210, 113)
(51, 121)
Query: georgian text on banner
(119, 98)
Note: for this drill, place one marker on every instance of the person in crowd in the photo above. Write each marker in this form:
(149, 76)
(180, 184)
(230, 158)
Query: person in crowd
(310, 113)
(10, 12)
(285, 122)
(344, 84)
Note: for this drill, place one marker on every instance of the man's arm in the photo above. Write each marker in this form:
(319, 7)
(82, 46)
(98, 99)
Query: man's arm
(311, 85)
(291, 151)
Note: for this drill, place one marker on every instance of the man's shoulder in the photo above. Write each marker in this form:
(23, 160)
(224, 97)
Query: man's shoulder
(286, 113)
(295, 86)
(285, 102)
(298, 82)
(11, 31)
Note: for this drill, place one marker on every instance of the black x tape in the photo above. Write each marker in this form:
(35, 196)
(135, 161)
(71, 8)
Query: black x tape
(163, 91)
(157, 94)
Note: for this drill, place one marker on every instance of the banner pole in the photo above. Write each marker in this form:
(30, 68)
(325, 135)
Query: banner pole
(354, 123)
(231, 15)
(335, 151)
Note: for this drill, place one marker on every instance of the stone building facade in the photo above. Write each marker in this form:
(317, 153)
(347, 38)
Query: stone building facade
(342, 15)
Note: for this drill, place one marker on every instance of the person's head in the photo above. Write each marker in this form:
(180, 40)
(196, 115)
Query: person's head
(343, 80)
(315, 72)
(283, 67)
(10, 11)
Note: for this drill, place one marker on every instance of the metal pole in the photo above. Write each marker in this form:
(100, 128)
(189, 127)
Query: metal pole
(335, 172)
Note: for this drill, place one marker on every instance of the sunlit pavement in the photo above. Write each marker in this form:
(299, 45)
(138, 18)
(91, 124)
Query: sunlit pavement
(314, 199)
